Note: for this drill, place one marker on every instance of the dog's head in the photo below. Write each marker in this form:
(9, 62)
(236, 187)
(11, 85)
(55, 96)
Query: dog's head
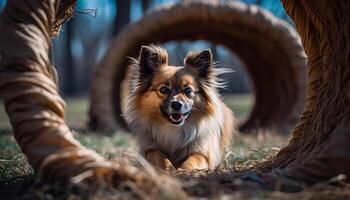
(173, 93)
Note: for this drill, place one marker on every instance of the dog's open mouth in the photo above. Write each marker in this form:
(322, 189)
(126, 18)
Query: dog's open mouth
(176, 118)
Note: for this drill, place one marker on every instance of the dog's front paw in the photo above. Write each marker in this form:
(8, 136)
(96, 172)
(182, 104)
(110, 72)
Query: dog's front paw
(168, 166)
(195, 162)
(159, 160)
(193, 167)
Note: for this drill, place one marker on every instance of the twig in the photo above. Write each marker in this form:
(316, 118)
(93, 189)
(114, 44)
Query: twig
(88, 11)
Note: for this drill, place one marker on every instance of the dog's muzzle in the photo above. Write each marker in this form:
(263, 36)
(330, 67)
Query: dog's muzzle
(177, 112)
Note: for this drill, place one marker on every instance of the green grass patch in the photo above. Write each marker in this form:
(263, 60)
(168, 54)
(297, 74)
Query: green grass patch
(240, 104)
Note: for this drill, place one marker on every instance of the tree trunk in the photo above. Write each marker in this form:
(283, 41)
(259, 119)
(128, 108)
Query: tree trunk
(320, 143)
(123, 15)
(70, 77)
(146, 4)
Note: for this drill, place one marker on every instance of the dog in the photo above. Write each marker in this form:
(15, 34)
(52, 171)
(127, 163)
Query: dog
(176, 111)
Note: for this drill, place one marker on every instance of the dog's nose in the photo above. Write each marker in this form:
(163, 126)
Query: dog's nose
(175, 105)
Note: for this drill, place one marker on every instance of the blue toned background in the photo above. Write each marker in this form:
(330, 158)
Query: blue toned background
(85, 38)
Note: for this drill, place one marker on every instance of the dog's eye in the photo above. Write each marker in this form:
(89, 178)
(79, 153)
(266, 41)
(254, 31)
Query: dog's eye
(164, 90)
(188, 91)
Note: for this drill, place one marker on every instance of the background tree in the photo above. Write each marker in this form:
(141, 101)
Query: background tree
(122, 17)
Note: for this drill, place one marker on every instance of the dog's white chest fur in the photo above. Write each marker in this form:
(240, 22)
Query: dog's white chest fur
(180, 141)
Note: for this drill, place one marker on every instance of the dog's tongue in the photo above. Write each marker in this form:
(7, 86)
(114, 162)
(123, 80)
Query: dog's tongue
(176, 116)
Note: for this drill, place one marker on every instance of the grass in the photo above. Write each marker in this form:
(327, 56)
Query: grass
(240, 104)
(17, 178)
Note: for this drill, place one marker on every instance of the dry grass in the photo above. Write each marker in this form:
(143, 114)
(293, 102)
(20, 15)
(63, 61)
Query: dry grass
(18, 181)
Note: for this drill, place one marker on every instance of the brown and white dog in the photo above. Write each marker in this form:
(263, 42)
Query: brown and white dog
(176, 112)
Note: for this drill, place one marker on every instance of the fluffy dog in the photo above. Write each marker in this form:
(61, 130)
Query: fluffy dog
(176, 111)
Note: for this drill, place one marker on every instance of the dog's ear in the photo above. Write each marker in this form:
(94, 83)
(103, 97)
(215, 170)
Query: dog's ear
(150, 59)
(202, 62)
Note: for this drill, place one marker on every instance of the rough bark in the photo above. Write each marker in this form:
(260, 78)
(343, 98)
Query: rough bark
(28, 86)
(320, 143)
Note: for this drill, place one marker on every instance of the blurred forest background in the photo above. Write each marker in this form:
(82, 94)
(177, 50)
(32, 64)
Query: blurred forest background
(85, 38)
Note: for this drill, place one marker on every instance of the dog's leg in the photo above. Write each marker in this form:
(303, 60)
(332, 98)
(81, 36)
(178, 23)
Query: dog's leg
(195, 161)
(158, 159)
